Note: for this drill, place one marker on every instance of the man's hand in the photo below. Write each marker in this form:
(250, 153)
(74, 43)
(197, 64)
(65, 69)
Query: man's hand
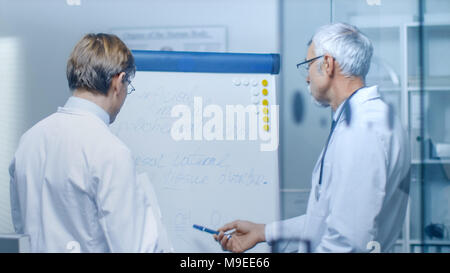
(245, 236)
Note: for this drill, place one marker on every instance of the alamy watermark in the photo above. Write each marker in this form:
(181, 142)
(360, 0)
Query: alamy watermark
(213, 123)
(73, 247)
(373, 247)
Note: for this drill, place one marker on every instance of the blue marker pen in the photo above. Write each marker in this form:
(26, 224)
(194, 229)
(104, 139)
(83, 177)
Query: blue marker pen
(205, 229)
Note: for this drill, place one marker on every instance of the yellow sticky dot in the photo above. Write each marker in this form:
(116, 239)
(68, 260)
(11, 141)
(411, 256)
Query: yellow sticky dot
(266, 119)
(265, 102)
(265, 110)
(265, 92)
(265, 82)
(266, 127)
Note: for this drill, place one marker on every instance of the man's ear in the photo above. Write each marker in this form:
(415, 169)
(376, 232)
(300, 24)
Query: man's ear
(329, 65)
(117, 82)
(122, 77)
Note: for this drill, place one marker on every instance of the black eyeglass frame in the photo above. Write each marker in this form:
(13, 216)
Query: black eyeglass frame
(130, 90)
(309, 61)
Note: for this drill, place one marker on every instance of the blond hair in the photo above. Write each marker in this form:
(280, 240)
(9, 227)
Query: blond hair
(96, 59)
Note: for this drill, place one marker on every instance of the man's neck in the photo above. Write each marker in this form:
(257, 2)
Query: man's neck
(344, 89)
(100, 100)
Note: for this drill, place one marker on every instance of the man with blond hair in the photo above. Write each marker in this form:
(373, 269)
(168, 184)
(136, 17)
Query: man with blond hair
(73, 183)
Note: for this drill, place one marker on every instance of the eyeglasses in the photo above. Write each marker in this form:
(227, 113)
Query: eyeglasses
(130, 88)
(309, 62)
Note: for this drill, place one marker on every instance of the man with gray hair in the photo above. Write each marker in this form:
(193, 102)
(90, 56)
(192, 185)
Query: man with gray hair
(360, 183)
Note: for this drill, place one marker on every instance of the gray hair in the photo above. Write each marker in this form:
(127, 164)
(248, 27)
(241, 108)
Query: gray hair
(349, 47)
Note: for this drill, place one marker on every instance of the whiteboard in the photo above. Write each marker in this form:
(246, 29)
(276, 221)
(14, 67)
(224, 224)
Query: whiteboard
(199, 181)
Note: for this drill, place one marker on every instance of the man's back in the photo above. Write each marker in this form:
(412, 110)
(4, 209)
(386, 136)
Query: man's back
(73, 185)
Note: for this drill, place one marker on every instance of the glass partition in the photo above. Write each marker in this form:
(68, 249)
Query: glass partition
(410, 66)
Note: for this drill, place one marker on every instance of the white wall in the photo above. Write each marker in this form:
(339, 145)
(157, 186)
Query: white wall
(45, 32)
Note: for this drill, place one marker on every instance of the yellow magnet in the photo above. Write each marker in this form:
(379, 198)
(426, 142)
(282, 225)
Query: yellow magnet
(265, 102)
(266, 127)
(265, 82)
(266, 119)
(265, 92)
(265, 110)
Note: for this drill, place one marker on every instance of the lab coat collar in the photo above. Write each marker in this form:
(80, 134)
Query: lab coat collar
(87, 106)
(363, 95)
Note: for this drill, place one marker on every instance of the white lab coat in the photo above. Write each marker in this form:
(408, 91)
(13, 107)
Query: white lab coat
(365, 183)
(73, 186)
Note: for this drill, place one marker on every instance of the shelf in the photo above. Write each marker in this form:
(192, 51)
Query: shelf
(430, 23)
(400, 243)
(373, 22)
(430, 161)
(430, 89)
(416, 89)
(426, 242)
(430, 242)
(432, 83)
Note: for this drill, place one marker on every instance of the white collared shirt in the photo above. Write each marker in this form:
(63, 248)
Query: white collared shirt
(74, 188)
(365, 183)
(89, 107)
